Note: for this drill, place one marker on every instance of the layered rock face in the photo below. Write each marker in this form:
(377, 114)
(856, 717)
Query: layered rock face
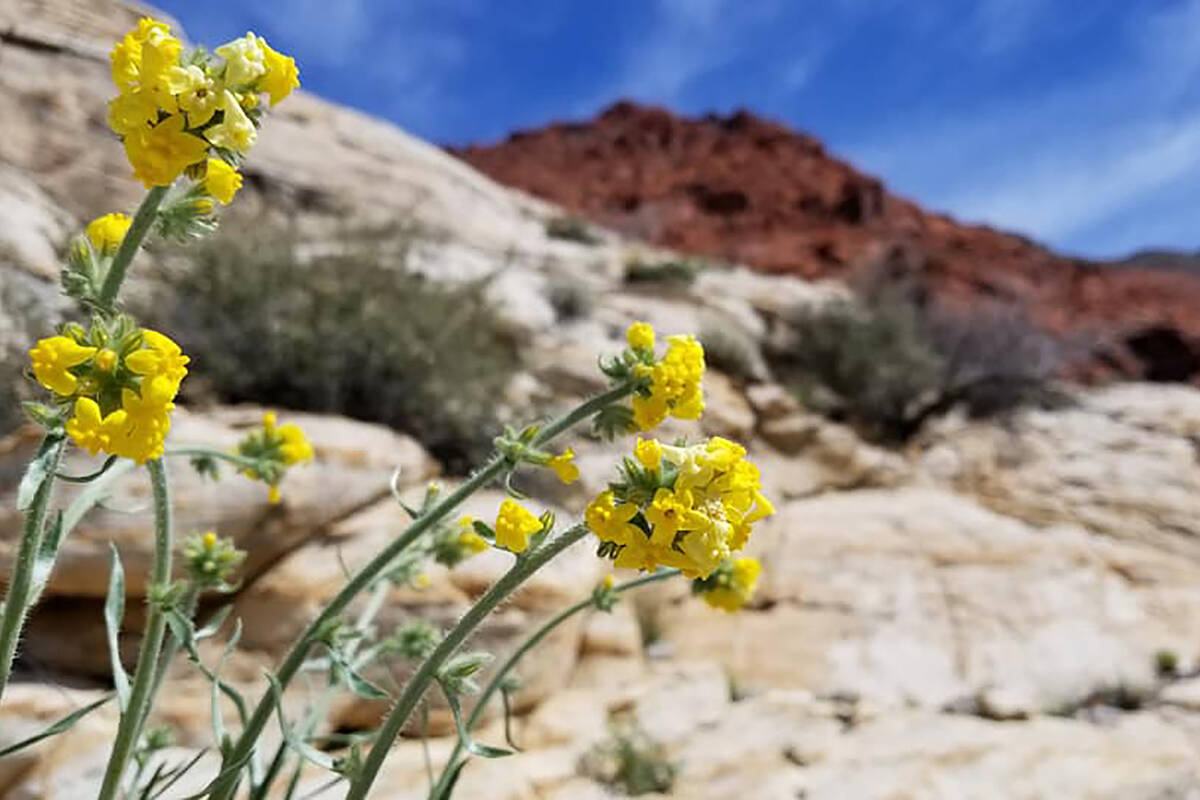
(756, 192)
(997, 611)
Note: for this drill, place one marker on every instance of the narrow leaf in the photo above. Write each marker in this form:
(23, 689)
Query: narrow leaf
(177, 773)
(58, 727)
(114, 614)
(464, 736)
(361, 686)
(47, 554)
(454, 773)
(218, 619)
(303, 749)
(38, 471)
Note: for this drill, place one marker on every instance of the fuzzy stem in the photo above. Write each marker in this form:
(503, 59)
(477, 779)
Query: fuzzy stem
(144, 678)
(533, 641)
(146, 214)
(365, 577)
(20, 585)
(417, 685)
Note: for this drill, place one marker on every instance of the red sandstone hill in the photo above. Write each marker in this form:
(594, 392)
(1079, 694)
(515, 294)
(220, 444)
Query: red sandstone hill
(755, 191)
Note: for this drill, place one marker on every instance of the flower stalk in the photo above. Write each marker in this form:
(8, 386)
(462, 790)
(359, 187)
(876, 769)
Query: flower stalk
(146, 214)
(534, 639)
(366, 576)
(419, 683)
(145, 675)
(21, 584)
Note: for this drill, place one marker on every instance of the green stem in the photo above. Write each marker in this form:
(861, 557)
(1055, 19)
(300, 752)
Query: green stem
(365, 577)
(533, 641)
(142, 220)
(20, 585)
(144, 678)
(417, 685)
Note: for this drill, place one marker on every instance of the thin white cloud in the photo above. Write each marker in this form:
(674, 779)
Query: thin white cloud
(1064, 161)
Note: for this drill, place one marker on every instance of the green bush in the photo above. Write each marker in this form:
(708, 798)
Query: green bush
(889, 360)
(571, 229)
(732, 350)
(630, 761)
(348, 329)
(681, 272)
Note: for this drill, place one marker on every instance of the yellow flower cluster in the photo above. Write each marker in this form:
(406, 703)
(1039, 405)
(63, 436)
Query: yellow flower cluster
(671, 385)
(174, 107)
(732, 585)
(275, 447)
(123, 388)
(685, 507)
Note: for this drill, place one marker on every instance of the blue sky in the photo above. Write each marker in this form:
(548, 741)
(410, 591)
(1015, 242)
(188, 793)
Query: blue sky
(1075, 122)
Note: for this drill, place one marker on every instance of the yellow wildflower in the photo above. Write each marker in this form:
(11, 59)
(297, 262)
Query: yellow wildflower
(244, 60)
(514, 526)
(564, 466)
(295, 449)
(282, 75)
(221, 180)
(53, 357)
(648, 452)
(734, 586)
(159, 355)
(132, 111)
(670, 511)
(106, 360)
(235, 131)
(195, 92)
(640, 336)
(649, 412)
(89, 430)
(693, 523)
(143, 56)
(106, 232)
(161, 153)
(209, 539)
(611, 522)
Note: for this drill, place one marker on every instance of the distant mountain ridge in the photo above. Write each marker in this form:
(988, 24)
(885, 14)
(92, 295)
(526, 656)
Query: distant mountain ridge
(755, 191)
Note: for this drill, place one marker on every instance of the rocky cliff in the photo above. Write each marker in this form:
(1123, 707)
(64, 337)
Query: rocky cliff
(997, 611)
(753, 191)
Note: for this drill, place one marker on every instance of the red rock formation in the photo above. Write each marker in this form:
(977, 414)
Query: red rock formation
(757, 192)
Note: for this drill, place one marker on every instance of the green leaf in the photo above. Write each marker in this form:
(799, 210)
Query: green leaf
(361, 686)
(303, 749)
(38, 471)
(213, 625)
(58, 727)
(453, 774)
(218, 686)
(464, 736)
(47, 554)
(114, 613)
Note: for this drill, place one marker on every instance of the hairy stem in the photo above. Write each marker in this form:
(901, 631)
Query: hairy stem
(144, 678)
(224, 789)
(533, 641)
(20, 584)
(142, 220)
(419, 683)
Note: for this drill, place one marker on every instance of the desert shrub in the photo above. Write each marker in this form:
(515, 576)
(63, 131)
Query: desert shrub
(889, 360)
(731, 349)
(630, 761)
(671, 271)
(571, 229)
(348, 330)
(570, 298)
